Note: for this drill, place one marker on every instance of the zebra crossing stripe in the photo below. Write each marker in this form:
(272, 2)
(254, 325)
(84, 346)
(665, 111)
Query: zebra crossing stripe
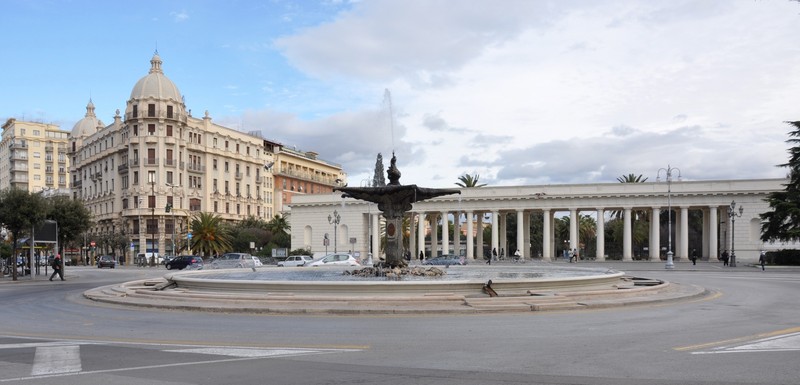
(56, 360)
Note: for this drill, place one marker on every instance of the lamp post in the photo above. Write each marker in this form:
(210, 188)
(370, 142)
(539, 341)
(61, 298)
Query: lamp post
(153, 217)
(171, 209)
(668, 171)
(732, 215)
(334, 220)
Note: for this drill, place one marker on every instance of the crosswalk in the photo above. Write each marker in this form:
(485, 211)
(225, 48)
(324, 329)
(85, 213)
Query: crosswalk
(65, 358)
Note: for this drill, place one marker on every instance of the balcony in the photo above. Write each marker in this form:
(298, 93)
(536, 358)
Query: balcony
(18, 145)
(151, 161)
(239, 175)
(170, 162)
(77, 183)
(122, 169)
(195, 168)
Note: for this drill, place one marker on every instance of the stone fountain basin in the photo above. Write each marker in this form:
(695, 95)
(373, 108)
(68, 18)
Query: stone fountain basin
(465, 281)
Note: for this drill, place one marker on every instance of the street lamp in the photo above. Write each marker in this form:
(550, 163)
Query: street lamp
(334, 220)
(170, 208)
(668, 171)
(732, 215)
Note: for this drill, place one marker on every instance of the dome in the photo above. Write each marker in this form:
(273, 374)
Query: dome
(88, 125)
(156, 84)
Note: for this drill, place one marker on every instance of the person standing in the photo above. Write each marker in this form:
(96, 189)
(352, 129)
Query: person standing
(57, 268)
(762, 259)
(694, 256)
(517, 256)
(725, 258)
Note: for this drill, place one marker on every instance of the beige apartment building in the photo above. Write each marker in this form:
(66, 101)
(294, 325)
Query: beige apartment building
(157, 155)
(299, 173)
(33, 157)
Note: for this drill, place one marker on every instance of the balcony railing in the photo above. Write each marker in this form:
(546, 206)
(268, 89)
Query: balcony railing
(195, 168)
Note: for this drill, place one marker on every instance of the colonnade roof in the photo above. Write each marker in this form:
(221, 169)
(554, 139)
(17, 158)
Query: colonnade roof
(582, 196)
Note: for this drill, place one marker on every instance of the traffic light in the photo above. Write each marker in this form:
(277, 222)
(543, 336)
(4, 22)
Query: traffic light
(168, 208)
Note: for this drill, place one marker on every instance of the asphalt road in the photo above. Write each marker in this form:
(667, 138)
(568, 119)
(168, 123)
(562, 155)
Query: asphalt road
(747, 332)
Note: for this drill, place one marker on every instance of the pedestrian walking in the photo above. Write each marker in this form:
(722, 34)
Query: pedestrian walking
(762, 259)
(694, 256)
(725, 257)
(575, 255)
(57, 268)
(517, 256)
(421, 255)
(494, 254)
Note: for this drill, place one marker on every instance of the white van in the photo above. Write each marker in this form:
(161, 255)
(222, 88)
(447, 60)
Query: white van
(143, 259)
(233, 260)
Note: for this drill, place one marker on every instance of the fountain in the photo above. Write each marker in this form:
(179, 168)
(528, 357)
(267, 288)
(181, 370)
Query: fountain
(307, 290)
(394, 200)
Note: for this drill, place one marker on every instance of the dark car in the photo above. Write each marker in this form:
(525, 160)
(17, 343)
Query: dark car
(106, 261)
(185, 261)
(446, 259)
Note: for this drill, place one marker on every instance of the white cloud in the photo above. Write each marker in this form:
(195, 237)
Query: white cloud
(179, 17)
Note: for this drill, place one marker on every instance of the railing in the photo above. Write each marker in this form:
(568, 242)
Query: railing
(151, 161)
(195, 168)
(170, 162)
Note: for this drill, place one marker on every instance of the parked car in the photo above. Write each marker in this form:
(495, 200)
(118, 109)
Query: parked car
(185, 262)
(106, 261)
(296, 260)
(337, 259)
(233, 260)
(446, 259)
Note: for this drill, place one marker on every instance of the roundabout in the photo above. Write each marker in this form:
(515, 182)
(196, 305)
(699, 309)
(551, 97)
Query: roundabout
(463, 289)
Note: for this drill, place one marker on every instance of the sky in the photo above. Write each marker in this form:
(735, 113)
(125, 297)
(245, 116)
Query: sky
(515, 92)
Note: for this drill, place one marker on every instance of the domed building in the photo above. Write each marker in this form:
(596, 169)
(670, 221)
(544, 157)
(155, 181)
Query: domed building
(147, 173)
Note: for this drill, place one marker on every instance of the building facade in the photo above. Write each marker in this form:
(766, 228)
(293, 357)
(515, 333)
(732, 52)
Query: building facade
(148, 172)
(33, 157)
(720, 229)
(299, 173)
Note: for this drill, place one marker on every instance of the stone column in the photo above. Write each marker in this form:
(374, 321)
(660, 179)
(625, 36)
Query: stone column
(655, 235)
(626, 236)
(526, 237)
(470, 238)
(547, 237)
(495, 233)
(479, 236)
(433, 219)
(421, 233)
(376, 236)
(457, 233)
(706, 240)
(574, 241)
(445, 233)
(601, 235)
(713, 236)
(523, 249)
(684, 252)
(501, 228)
(412, 236)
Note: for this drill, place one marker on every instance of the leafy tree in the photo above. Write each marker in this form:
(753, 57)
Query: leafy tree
(468, 180)
(378, 180)
(782, 222)
(209, 234)
(72, 216)
(20, 211)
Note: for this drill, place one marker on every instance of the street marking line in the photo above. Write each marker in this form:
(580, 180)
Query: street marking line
(786, 343)
(43, 344)
(152, 367)
(739, 339)
(248, 352)
(56, 359)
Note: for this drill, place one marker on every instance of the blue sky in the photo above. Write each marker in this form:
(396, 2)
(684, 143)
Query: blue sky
(530, 92)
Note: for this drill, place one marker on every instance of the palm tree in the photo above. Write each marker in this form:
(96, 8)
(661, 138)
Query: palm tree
(467, 180)
(210, 235)
(279, 227)
(631, 178)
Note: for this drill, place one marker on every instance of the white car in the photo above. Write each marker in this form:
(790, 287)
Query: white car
(233, 260)
(295, 260)
(337, 259)
(257, 262)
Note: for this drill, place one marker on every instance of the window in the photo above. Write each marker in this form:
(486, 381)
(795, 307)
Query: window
(135, 114)
(151, 110)
(214, 164)
(151, 177)
(169, 177)
(135, 128)
(237, 148)
(169, 113)
(151, 129)
(135, 178)
(151, 201)
(169, 130)
(226, 166)
(37, 133)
